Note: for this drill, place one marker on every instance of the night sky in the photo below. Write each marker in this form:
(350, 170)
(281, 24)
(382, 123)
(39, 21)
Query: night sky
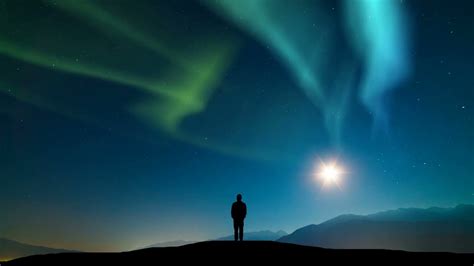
(126, 123)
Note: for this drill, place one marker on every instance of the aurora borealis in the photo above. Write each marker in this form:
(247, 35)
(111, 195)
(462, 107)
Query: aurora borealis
(125, 123)
(301, 35)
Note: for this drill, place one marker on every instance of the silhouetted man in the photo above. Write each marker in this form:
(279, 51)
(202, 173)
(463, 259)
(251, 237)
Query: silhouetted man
(239, 211)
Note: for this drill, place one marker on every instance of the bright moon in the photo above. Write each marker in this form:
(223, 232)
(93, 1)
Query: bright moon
(329, 173)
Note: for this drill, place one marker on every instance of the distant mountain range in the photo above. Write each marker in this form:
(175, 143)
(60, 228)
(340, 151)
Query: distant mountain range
(10, 249)
(411, 229)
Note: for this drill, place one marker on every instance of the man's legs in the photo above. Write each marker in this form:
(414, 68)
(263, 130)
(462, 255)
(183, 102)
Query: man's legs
(236, 228)
(241, 231)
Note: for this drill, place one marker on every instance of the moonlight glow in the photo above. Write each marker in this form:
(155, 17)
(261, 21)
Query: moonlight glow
(329, 173)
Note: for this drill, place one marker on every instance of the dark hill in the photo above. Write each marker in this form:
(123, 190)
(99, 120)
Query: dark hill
(244, 253)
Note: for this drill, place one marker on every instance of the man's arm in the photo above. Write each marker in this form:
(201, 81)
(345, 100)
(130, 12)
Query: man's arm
(245, 210)
(232, 211)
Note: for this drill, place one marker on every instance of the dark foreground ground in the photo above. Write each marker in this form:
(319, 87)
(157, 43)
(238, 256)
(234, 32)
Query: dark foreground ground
(247, 253)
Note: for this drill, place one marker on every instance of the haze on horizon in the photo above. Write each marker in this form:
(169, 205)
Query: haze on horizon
(127, 123)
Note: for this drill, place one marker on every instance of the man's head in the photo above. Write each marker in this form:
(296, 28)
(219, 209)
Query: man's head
(239, 197)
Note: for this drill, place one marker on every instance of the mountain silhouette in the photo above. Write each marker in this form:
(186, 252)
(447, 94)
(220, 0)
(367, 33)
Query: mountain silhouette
(10, 249)
(246, 252)
(433, 229)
